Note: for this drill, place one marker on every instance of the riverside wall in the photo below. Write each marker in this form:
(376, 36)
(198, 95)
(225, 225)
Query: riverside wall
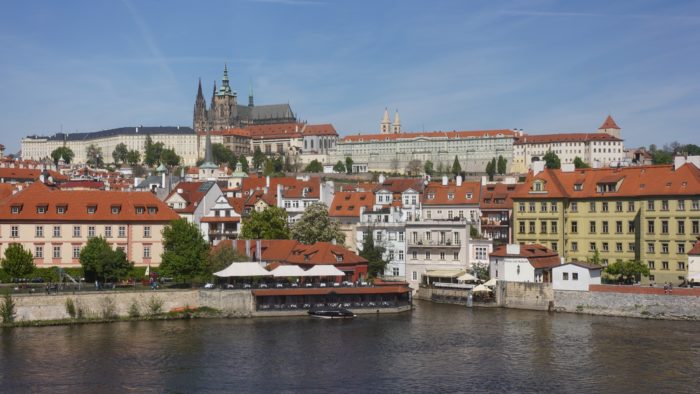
(658, 306)
(519, 295)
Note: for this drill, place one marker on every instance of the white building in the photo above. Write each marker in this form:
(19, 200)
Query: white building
(193, 200)
(388, 226)
(694, 263)
(523, 263)
(575, 276)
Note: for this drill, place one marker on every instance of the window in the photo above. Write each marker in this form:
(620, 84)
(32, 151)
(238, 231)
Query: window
(554, 207)
(14, 231)
(91, 209)
(631, 228)
(442, 255)
(395, 271)
(651, 265)
(152, 210)
(15, 209)
(605, 227)
(57, 231)
(681, 205)
(565, 276)
(650, 247)
(147, 231)
(650, 226)
(391, 255)
(664, 265)
(618, 247)
(521, 207)
(574, 227)
(650, 205)
(696, 226)
(632, 247)
(664, 247)
(76, 231)
(618, 206)
(664, 205)
(630, 206)
(414, 275)
(91, 231)
(57, 252)
(591, 228)
(543, 227)
(521, 227)
(455, 256)
(41, 209)
(400, 236)
(591, 247)
(681, 248)
(401, 255)
(696, 205)
(108, 231)
(606, 248)
(605, 207)
(574, 246)
(681, 266)
(39, 231)
(555, 246)
(76, 252)
(116, 209)
(38, 252)
(553, 227)
(574, 207)
(481, 253)
(681, 227)
(455, 236)
(414, 255)
(427, 255)
(122, 231)
(532, 207)
(591, 207)
(532, 227)
(618, 226)
(543, 207)
(146, 252)
(664, 227)
(139, 210)
(574, 276)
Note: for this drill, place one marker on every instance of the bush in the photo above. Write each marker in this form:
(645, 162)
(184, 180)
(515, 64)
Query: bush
(70, 308)
(134, 309)
(7, 309)
(108, 308)
(154, 305)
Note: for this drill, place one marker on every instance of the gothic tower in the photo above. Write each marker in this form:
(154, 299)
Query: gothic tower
(250, 94)
(384, 125)
(200, 111)
(224, 108)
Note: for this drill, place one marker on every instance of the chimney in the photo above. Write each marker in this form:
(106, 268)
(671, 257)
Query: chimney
(179, 191)
(537, 167)
(247, 248)
(381, 179)
(568, 167)
(513, 249)
(267, 181)
(459, 180)
(445, 180)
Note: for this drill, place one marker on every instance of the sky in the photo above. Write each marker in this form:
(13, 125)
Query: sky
(538, 65)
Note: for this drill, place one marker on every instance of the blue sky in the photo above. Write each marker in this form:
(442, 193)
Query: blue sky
(543, 66)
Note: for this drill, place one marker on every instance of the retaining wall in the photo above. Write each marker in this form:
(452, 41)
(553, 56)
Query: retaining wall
(660, 306)
(517, 295)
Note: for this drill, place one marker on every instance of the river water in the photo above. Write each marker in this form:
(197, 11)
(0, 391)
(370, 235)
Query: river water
(437, 348)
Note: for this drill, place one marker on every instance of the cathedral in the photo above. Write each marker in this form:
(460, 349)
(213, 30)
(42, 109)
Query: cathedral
(225, 112)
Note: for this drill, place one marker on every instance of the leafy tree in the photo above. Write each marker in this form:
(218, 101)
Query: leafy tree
(428, 168)
(244, 164)
(551, 160)
(595, 259)
(258, 158)
(7, 309)
(481, 271)
(456, 167)
(490, 170)
(627, 272)
(316, 226)
(268, 224)
(314, 166)
(348, 164)
(278, 163)
(661, 157)
(62, 152)
(120, 153)
(184, 250)
(18, 261)
(339, 167)
(692, 149)
(413, 167)
(374, 255)
(101, 262)
(152, 152)
(440, 168)
(579, 163)
(222, 256)
(133, 157)
(94, 155)
(269, 167)
(169, 157)
(221, 154)
(502, 165)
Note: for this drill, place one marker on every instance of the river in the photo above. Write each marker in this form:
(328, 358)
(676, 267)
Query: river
(437, 348)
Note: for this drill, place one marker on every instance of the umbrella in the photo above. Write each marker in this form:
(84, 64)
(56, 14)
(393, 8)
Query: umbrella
(243, 269)
(480, 289)
(467, 277)
(491, 282)
(324, 270)
(148, 271)
(287, 271)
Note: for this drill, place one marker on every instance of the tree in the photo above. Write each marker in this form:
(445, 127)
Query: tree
(268, 224)
(428, 168)
(661, 157)
(551, 160)
(269, 167)
(18, 261)
(314, 166)
(102, 263)
(502, 165)
(456, 167)
(481, 271)
(133, 157)
(627, 272)
(316, 226)
(120, 153)
(169, 157)
(579, 163)
(692, 150)
(152, 152)
(222, 155)
(244, 164)
(374, 254)
(490, 170)
(348, 164)
(62, 152)
(595, 259)
(184, 250)
(258, 158)
(94, 155)
(339, 167)
(222, 256)
(413, 167)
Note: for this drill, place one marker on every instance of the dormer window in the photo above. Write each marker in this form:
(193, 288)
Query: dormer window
(538, 186)
(451, 196)
(61, 209)
(91, 209)
(152, 210)
(338, 257)
(16, 209)
(139, 210)
(41, 209)
(469, 196)
(578, 187)
(116, 209)
(431, 196)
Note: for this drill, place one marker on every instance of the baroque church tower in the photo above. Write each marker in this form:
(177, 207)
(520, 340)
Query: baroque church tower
(386, 127)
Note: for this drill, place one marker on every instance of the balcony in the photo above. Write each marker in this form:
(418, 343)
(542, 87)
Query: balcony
(433, 243)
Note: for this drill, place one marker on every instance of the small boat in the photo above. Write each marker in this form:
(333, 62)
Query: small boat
(331, 313)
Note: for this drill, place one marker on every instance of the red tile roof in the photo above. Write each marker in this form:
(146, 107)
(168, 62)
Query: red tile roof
(320, 129)
(77, 202)
(609, 124)
(568, 137)
(191, 193)
(400, 185)
(83, 185)
(441, 194)
(292, 252)
(348, 204)
(695, 251)
(429, 134)
(539, 256)
(28, 174)
(497, 196)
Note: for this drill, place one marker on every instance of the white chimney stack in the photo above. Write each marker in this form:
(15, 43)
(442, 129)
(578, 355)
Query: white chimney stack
(444, 180)
(459, 180)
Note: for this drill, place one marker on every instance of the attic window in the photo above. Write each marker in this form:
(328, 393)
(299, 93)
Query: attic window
(91, 209)
(61, 209)
(363, 198)
(152, 209)
(139, 210)
(451, 196)
(116, 209)
(41, 208)
(537, 186)
(578, 187)
(469, 196)
(338, 257)
(16, 208)
(490, 188)
(431, 196)
(606, 187)
(351, 207)
(668, 184)
(338, 207)
(347, 196)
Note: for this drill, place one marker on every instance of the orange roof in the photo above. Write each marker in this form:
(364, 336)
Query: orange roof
(77, 203)
(6, 190)
(539, 256)
(320, 129)
(436, 193)
(235, 131)
(695, 251)
(660, 180)
(191, 192)
(609, 124)
(561, 137)
(28, 174)
(82, 184)
(400, 185)
(348, 204)
(288, 251)
(429, 134)
(497, 196)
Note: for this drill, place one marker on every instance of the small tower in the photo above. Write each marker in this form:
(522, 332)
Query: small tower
(396, 126)
(208, 170)
(384, 125)
(610, 127)
(200, 110)
(250, 93)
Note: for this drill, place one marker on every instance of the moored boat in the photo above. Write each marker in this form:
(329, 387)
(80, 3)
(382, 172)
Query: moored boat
(331, 313)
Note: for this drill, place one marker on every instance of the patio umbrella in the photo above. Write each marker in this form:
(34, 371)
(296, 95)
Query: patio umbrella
(491, 282)
(243, 269)
(466, 277)
(481, 289)
(286, 271)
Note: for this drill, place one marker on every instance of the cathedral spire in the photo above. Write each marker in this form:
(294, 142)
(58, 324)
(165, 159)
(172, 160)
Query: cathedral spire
(199, 89)
(250, 93)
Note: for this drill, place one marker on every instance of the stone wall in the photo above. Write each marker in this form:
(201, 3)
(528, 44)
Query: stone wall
(676, 307)
(519, 295)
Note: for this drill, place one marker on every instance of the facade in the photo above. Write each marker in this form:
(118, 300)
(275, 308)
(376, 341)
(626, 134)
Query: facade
(694, 263)
(394, 151)
(523, 263)
(221, 222)
(649, 214)
(387, 226)
(193, 200)
(181, 139)
(496, 208)
(601, 149)
(347, 208)
(56, 224)
(575, 276)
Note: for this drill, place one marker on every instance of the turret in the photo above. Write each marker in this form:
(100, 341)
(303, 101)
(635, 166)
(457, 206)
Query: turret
(610, 127)
(250, 94)
(396, 126)
(384, 125)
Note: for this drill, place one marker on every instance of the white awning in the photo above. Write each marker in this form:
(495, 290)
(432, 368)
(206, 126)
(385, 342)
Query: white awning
(481, 289)
(467, 277)
(243, 269)
(324, 270)
(490, 282)
(283, 271)
(447, 273)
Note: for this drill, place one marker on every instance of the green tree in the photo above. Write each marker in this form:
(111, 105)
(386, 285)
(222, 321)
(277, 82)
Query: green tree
(348, 164)
(428, 168)
(456, 167)
(692, 149)
(314, 166)
(258, 158)
(579, 163)
(7, 309)
(94, 155)
(551, 160)
(152, 152)
(661, 157)
(120, 153)
(271, 223)
(315, 225)
(595, 259)
(490, 170)
(184, 250)
(62, 152)
(627, 272)
(169, 157)
(339, 167)
(502, 165)
(374, 254)
(101, 262)
(133, 157)
(244, 164)
(222, 256)
(18, 261)
(221, 154)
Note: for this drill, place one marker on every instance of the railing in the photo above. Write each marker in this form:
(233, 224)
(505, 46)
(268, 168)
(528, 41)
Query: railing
(433, 243)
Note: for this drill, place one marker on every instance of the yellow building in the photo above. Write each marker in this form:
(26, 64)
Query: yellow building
(650, 214)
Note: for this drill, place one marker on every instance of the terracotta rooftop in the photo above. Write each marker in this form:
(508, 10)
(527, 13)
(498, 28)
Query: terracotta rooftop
(539, 256)
(435, 193)
(348, 204)
(28, 174)
(191, 192)
(695, 251)
(563, 137)
(609, 124)
(287, 251)
(497, 196)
